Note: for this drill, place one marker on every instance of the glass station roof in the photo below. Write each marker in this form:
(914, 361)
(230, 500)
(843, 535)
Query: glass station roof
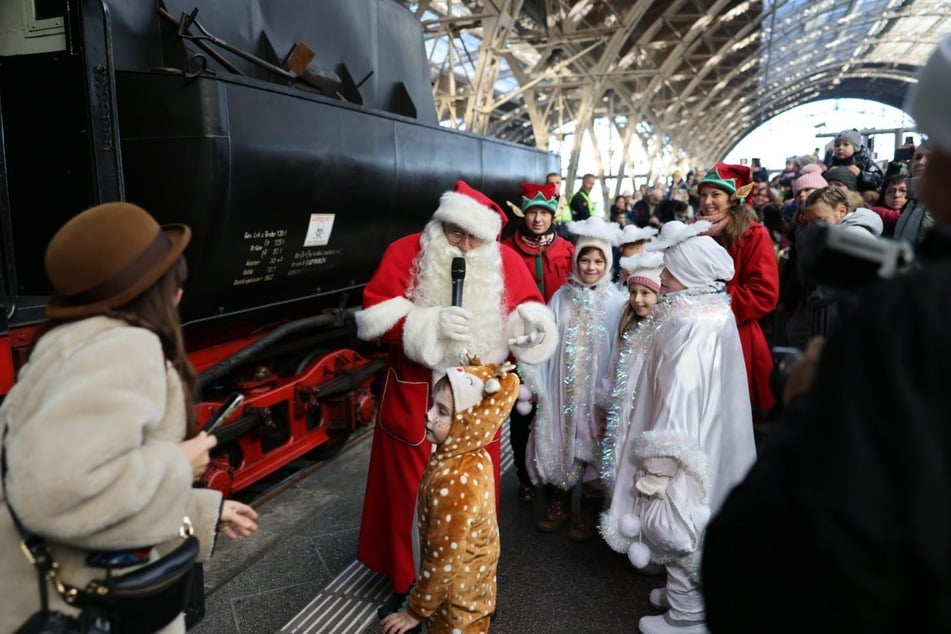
(697, 74)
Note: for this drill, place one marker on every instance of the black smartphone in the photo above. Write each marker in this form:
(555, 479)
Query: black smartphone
(904, 154)
(222, 413)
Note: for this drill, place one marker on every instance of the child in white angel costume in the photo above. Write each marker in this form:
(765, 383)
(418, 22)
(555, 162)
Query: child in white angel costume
(573, 385)
(688, 438)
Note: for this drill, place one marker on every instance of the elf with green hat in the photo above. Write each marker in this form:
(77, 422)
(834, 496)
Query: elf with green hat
(548, 257)
(754, 289)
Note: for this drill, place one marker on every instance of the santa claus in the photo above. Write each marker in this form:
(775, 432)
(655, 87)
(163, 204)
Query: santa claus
(407, 306)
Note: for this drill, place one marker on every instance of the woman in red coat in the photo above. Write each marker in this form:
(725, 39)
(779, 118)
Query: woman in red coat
(754, 289)
(548, 259)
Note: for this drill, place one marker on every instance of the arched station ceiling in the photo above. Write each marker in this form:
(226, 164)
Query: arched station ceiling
(695, 75)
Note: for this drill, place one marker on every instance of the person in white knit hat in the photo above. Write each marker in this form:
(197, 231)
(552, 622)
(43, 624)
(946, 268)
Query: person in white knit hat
(856, 480)
(690, 433)
(564, 447)
(631, 241)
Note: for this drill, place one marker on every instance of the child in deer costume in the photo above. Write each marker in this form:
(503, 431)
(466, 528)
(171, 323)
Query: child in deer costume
(458, 545)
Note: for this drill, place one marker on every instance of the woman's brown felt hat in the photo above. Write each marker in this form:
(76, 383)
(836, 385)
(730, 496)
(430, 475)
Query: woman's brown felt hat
(107, 256)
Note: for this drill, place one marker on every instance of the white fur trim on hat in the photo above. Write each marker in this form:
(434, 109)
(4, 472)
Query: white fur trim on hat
(642, 260)
(675, 232)
(643, 268)
(929, 101)
(633, 233)
(376, 320)
(469, 214)
(596, 227)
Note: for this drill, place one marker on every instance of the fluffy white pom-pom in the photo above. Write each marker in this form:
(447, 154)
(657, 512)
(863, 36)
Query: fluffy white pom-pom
(524, 394)
(639, 555)
(629, 526)
(492, 386)
(523, 407)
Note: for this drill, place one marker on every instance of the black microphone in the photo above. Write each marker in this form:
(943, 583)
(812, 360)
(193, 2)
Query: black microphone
(457, 274)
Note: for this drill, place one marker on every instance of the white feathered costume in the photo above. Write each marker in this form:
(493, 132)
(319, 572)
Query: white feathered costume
(688, 437)
(573, 382)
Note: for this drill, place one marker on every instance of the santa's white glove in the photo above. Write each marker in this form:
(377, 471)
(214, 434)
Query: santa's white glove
(534, 330)
(453, 323)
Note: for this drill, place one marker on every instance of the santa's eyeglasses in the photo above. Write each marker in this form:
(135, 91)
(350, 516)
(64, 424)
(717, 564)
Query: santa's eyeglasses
(457, 235)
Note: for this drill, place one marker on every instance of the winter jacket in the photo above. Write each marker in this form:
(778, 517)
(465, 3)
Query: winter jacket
(94, 426)
(870, 176)
(455, 517)
(754, 292)
(863, 222)
(549, 267)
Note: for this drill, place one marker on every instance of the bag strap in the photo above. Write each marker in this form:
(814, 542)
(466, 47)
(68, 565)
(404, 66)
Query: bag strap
(32, 546)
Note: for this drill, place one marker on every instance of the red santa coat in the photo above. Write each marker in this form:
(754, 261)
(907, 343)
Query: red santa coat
(400, 453)
(553, 263)
(754, 291)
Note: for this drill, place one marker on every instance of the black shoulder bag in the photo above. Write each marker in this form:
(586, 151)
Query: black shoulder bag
(142, 601)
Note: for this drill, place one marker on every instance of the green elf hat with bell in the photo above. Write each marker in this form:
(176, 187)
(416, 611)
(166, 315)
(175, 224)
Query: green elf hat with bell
(537, 195)
(736, 180)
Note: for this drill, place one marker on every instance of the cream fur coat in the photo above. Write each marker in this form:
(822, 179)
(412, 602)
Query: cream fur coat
(93, 458)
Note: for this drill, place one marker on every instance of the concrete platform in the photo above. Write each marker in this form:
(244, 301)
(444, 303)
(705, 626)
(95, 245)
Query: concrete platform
(298, 573)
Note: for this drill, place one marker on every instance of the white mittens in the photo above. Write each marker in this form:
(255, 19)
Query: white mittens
(652, 485)
(453, 323)
(659, 471)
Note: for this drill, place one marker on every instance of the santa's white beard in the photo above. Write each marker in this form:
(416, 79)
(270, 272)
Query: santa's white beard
(481, 292)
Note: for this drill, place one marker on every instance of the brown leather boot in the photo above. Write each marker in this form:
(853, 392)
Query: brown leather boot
(586, 527)
(558, 512)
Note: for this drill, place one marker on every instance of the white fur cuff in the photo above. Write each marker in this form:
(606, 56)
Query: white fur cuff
(376, 320)
(522, 321)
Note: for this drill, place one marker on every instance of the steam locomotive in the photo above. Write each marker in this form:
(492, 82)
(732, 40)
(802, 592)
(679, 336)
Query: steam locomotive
(296, 138)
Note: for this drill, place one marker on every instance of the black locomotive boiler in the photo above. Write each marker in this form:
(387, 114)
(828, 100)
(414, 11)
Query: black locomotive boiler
(296, 138)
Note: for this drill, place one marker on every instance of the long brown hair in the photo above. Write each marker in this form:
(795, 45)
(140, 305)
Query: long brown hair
(154, 310)
(740, 217)
(629, 320)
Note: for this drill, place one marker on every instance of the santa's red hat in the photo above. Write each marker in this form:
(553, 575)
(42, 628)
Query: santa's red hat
(472, 211)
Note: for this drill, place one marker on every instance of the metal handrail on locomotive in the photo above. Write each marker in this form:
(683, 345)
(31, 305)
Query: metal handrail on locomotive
(296, 138)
